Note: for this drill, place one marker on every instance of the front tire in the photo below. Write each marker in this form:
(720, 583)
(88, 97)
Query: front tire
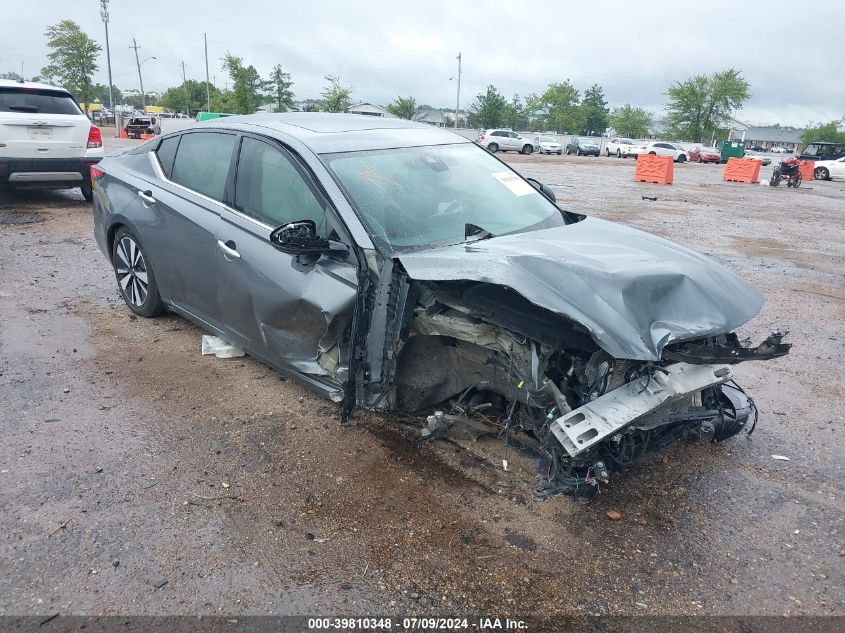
(619, 153)
(568, 151)
(682, 158)
(606, 153)
(135, 279)
(821, 173)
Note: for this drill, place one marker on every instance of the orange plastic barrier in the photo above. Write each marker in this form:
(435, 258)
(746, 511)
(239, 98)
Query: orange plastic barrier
(806, 168)
(742, 170)
(147, 137)
(123, 133)
(656, 169)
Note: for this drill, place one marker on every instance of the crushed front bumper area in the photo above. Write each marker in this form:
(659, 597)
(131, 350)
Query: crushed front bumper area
(588, 425)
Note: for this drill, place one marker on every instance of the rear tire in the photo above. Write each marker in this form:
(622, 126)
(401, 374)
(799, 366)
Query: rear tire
(87, 190)
(135, 279)
(682, 158)
(568, 151)
(527, 149)
(619, 153)
(493, 148)
(606, 153)
(821, 173)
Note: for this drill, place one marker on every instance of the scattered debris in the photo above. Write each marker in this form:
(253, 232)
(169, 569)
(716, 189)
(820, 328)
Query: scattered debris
(159, 582)
(62, 526)
(781, 458)
(115, 563)
(49, 618)
(225, 485)
(220, 348)
(651, 198)
(614, 515)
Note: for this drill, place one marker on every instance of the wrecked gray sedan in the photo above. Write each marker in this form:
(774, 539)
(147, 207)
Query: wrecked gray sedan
(398, 267)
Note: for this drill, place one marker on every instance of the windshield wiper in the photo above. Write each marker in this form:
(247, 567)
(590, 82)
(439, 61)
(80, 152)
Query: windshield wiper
(475, 232)
(24, 108)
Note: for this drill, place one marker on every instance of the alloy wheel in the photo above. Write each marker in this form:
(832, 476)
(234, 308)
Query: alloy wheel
(131, 269)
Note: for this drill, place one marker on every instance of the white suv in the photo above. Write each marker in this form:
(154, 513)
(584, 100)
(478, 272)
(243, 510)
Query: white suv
(504, 140)
(619, 147)
(45, 138)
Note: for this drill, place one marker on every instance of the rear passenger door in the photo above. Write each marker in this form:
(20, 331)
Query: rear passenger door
(184, 216)
(293, 311)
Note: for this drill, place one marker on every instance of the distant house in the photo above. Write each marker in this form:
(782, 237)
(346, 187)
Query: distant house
(768, 136)
(433, 117)
(369, 109)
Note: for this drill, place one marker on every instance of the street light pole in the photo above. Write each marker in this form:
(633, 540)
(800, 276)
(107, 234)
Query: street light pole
(458, 102)
(104, 13)
(140, 78)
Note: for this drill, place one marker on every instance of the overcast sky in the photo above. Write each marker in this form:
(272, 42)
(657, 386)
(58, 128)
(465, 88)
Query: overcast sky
(793, 53)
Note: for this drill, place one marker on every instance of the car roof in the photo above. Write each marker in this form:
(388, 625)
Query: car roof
(326, 133)
(11, 83)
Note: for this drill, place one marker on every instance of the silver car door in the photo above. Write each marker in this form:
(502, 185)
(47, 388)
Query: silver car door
(293, 311)
(181, 230)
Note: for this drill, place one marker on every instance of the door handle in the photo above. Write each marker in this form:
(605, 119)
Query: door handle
(147, 196)
(229, 249)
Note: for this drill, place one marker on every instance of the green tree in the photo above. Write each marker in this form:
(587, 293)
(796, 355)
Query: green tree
(11, 75)
(630, 121)
(100, 93)
(247, 86)
(189, 97)
(561, 101)
(516, 117)
(406, 108)
(336, 97)
(703, 103)
(833, 132)
(489, 110)
(594, 111)
(279, 84)
(73, 58)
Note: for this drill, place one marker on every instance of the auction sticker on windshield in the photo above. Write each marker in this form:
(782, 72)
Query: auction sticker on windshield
(513, 182)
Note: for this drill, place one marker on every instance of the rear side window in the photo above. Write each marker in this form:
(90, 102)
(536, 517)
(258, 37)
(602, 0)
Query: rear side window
(202, 162)
(166, 153)
(37, 101)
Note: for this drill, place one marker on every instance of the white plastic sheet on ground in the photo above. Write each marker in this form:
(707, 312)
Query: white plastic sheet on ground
(220, 348)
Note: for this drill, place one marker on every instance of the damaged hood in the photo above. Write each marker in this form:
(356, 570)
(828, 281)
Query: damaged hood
(633, 291)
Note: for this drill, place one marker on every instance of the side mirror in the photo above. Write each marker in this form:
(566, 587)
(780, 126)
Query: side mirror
(539, 186)
(300, 238)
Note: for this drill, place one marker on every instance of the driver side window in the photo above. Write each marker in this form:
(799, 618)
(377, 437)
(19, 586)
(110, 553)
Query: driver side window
(269, 188)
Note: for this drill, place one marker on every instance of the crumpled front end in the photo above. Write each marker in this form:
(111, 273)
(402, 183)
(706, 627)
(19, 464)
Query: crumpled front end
(590, 401)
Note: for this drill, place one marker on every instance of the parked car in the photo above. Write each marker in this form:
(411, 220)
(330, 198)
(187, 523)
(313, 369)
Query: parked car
(504, 140)
(705, 154)
(391, 265)
(142, 125)
(829, 169)
(620, 147)
(778, 150)
(662, 148)
(547, 145)
(764, 160)
(582, 147)
(45, 138)
(823, 151)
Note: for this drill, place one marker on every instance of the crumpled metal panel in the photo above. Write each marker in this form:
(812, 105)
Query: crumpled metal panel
(633, 291)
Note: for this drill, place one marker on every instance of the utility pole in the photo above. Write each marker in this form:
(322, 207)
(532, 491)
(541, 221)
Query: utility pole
(104, 13)
(140, 78)
(187, 96)
(207, 85)
(458, 102)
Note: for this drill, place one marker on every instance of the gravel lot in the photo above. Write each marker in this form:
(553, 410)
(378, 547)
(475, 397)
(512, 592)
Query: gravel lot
(129, 461)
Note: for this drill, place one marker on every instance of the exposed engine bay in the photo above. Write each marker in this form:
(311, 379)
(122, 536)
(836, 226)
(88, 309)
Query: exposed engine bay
(482, 354)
